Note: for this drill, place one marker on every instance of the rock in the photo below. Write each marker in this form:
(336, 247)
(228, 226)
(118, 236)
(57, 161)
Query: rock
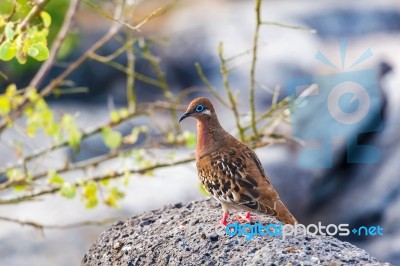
(174, 235)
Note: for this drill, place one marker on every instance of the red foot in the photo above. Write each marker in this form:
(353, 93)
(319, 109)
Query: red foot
(247, 219)
(224, 218)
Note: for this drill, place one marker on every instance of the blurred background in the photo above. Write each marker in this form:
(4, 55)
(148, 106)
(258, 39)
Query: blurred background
(354, 193)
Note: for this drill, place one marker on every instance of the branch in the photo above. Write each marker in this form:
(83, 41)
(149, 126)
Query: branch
(164, 85)
(67, 168)
(114, 175)
(209, 86)
(253, 69)
(46, 66)
(115, 28)
(115, 54)
(40, 226)
(32, 14)
(159, 11)
(130, 79)
(227, 87)
(142, 109)
(293, 27)
(136, 75)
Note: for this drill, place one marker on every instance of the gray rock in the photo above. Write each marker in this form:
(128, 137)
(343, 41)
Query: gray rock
(175, 235)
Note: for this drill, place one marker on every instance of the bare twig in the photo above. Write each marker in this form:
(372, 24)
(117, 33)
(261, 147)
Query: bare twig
(40, 226)
(232, 100)
(293, 27)
(209, 86)
(115, 54)
(169, 97)
(253, 69)
(12, 12)
(136, 75)
(130, 79)
(159, 11)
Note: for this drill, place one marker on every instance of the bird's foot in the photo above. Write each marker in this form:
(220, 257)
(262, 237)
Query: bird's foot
(247, 219)
(224, 218)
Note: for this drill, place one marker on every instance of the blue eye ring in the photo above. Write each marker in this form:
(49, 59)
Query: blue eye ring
(199, 108)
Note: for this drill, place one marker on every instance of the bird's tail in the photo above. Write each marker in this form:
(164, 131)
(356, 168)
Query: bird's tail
(274, 206)
(283, 214)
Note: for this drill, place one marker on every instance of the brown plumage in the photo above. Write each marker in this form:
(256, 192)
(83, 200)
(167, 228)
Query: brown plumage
(229, 170)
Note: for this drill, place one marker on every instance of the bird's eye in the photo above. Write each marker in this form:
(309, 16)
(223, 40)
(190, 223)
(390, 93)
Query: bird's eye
(199, 108)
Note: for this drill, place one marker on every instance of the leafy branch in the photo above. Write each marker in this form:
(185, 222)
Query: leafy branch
(114, 29)
(142, 109)
(107, 176)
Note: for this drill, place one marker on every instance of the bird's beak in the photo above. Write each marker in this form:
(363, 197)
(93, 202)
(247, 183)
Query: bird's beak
(187, 114)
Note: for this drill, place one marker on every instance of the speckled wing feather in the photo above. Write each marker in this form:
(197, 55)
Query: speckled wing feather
(236, 178)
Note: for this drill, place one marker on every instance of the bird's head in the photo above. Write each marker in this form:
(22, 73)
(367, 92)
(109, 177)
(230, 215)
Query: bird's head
(199, 108)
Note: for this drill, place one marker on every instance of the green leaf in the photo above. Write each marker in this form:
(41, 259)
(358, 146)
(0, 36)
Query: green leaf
(7, 51)
(21, 57)
(111, 201)
(105, 182)
(2, 22)
(91, 203)
(170, 137)
(41, 105)
(19, 188)
(54, 178)
(74, 139)
(124, 113)
(33, 51)
(15, 174)
(43, 51)
(68, 190)
(46, 18)
(112, 139)
(89, 193)
(138, 155)
(113, 197)
(32, 94)
(11, 90)
(190, 139)
(5, 105)
(9, 31)
(114, 116)
(53, 130)
(127, 175)
(89, 189)
(68, 124)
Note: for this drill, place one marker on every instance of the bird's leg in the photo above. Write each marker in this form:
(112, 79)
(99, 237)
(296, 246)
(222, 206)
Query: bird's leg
(224, 218)
(246, 219)
(250, 216)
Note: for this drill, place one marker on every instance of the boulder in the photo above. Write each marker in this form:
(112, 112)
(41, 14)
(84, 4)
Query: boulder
(178, 235)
